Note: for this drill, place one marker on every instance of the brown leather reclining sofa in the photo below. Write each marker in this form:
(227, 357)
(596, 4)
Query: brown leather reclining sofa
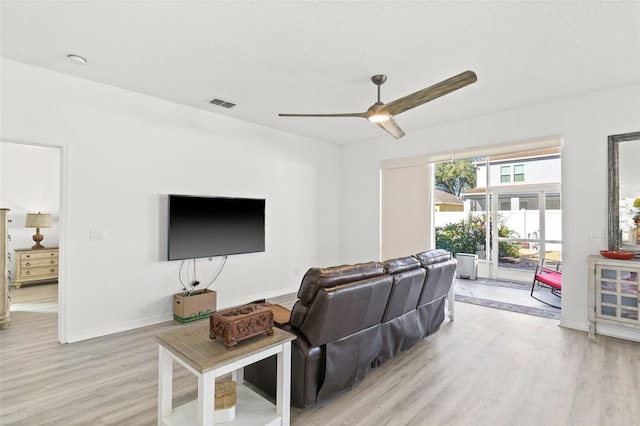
(351, 318)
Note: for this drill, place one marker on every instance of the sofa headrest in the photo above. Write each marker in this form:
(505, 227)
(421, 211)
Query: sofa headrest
(430, 257)
(317, 278)
(340, 311)
(438, 282)
(405, 292)
(401, 264)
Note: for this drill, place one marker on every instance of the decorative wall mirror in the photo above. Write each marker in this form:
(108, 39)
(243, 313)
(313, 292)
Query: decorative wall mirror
(624, 192)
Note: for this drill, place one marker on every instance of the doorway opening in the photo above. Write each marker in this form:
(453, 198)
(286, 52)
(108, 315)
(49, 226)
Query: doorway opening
(30, 182)
(505, 211)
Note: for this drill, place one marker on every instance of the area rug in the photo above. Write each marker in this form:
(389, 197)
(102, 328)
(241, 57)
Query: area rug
(508, 306)
(503, 283)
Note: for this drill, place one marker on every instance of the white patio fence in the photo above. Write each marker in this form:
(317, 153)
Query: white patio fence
(526, 223)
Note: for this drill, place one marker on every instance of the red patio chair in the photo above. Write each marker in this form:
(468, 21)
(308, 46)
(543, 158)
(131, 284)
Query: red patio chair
(547, 278)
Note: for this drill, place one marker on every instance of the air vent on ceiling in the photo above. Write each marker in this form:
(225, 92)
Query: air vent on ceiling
(222, 103)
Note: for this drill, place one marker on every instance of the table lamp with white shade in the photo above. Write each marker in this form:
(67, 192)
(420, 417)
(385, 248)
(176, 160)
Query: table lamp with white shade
(38, 220)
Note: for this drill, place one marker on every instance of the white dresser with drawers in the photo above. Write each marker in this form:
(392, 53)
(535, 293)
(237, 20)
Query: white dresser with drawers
(35, 265)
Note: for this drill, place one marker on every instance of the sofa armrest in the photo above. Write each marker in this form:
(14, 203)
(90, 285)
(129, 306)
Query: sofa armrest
(307, 364)
(307, 370)
(281, 315)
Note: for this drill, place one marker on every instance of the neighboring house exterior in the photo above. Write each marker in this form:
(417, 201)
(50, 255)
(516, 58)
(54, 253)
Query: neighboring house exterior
(519, 174)
(519, 183)
(445, 202)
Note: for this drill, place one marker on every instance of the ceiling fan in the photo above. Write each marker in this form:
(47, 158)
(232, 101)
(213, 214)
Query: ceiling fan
(382, 114)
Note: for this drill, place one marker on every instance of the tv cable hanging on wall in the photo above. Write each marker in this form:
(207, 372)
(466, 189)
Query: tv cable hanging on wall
(193, 283)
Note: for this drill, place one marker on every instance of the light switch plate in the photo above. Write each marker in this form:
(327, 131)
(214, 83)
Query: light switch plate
(96, 234)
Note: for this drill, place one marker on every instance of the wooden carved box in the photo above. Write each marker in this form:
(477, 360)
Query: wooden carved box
(236, 324)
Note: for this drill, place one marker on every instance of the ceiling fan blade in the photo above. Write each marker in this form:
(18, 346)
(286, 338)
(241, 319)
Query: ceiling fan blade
(391, 127)
(430, 93)
(351, 114)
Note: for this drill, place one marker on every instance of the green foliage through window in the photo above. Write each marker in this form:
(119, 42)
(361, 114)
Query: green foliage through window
(466, 235)
(455, 177)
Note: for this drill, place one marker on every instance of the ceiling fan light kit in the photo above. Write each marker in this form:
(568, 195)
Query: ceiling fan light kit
(382, 114)
(377, 112)
(378, 118)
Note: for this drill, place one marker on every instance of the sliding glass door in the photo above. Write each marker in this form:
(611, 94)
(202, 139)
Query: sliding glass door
(507, 212)
(528, 229)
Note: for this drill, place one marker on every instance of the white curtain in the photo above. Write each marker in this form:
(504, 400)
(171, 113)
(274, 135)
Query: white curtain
(406, 211)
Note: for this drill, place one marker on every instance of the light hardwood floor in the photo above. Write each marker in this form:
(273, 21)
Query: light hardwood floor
(489, 367)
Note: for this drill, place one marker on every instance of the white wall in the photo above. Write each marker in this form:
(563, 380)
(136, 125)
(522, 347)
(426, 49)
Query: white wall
(583, 124)
(123, 153)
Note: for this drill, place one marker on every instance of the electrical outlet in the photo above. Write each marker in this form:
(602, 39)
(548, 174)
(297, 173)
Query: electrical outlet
(597, 236)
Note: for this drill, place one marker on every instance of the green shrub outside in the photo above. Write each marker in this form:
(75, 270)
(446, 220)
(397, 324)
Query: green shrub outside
(465, 236)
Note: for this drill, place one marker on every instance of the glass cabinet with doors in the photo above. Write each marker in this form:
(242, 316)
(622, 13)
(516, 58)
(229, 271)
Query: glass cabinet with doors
(614, 301)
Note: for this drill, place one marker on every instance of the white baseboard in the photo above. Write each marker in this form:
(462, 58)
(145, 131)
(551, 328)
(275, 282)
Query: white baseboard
(610, 330)
(618, 332)
(167, 316)
(117, 328)
(575, 325)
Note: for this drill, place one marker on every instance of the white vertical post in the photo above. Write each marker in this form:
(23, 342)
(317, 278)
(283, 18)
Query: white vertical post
(238, 376)
(450, 297)
(206, 386)
(283, 393)
(165, 384)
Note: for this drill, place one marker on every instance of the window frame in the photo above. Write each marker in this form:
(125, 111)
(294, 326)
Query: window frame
(516, 174)
(506, 175)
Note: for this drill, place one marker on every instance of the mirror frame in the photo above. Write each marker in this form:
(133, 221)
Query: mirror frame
(614, 184)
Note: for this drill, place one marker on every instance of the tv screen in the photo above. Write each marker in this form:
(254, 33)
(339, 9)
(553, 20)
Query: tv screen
(214, 226)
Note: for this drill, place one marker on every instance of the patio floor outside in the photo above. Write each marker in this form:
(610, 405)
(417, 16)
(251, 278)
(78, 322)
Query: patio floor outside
(517, 294)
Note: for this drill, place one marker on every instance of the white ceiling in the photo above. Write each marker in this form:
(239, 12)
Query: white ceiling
(273, 57)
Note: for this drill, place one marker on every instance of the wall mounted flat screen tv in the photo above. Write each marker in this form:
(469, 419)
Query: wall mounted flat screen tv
(214, 226)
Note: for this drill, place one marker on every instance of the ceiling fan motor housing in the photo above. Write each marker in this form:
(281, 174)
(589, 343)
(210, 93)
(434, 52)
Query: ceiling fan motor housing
(379, 79)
